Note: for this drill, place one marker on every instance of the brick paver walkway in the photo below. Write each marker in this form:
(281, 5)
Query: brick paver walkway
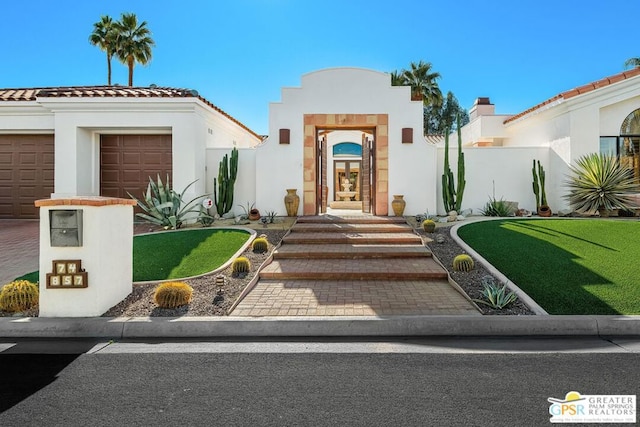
(352, 267)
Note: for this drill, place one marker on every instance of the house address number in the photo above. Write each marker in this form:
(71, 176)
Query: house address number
(67, 274)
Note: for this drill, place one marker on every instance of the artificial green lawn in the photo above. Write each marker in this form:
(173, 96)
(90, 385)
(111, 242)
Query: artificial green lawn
(172, 255)
(572, 266)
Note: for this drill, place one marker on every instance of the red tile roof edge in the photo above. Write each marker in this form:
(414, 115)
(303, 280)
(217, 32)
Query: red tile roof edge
(580, 90)
(31, 94)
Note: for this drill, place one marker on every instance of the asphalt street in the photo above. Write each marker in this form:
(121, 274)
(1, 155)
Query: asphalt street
(399, 382)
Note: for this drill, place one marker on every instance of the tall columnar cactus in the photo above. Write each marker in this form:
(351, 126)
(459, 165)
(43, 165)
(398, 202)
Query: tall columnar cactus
(223, 186)
(451, 197)
(538, 184)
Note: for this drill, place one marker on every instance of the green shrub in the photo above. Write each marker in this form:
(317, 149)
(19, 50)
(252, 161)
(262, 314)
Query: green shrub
(172, 294)
(19, 295)
(260, 245)
(240, 265)
(463, 262)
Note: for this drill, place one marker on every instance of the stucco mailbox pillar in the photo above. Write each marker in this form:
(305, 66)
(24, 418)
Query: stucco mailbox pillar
(86, 255)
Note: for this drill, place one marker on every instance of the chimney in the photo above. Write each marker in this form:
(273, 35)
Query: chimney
(482, 107)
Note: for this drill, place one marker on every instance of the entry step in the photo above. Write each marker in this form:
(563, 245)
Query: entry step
(362, 269)
(353, 237)
(354, 251)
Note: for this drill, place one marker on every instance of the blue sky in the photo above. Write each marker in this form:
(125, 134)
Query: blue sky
(239, 53)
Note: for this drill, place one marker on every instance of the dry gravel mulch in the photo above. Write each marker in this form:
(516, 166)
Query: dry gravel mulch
(471, 281)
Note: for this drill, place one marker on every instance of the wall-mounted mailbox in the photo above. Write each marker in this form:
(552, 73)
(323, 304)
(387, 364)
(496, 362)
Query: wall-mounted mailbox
(65, 226)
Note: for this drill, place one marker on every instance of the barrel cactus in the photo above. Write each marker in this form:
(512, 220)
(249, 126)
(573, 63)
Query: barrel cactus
(260, 245)
(463, 262)
(241, 265)
(429, 225)
(19, 295)
(173, 294)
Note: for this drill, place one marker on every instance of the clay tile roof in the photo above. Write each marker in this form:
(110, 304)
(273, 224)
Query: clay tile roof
(30, 94)
(581, 90)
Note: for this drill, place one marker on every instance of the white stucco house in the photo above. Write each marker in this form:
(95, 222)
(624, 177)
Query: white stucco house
(345, 138)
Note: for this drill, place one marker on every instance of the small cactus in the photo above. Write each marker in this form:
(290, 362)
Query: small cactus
(429, 225)
(260, 245)
(463, 262)
(172, 294)
(19, 295)
(240, 265)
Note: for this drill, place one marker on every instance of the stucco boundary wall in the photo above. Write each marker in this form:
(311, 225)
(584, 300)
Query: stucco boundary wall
(343, 326)
(504, 173)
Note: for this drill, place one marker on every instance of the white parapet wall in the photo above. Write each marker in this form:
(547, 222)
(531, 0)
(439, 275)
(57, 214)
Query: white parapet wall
(86, 255)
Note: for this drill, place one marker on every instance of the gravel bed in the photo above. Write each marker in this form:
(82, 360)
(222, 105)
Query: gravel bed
(471, 281)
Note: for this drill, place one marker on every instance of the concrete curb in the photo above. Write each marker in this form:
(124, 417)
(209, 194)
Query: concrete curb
(342, 326)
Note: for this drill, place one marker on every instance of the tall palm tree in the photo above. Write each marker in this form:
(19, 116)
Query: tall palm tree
(134, 42)
(632, 62)
(423, 82)
(397, 78)
(104, 36)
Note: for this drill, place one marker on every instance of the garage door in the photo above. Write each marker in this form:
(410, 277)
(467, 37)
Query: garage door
(26, 174)
(127, 162)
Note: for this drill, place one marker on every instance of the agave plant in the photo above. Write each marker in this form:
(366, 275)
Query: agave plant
(164, 206)
(496, 296)
(600, 183)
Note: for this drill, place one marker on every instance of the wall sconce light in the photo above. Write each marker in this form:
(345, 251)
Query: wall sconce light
(285, 136)
(407, 135)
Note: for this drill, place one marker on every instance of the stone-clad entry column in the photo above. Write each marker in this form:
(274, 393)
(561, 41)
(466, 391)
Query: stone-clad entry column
(346, 121)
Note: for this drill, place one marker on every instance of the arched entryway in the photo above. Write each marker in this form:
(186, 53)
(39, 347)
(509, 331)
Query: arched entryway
(373, 168)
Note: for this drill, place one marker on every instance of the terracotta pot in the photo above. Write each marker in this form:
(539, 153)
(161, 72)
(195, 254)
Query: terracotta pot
(544, 211)
(291, 202)
(398, 204)
(254, 214)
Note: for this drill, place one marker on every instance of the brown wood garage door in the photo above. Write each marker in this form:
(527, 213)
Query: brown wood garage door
(26, 174)
(127, 162)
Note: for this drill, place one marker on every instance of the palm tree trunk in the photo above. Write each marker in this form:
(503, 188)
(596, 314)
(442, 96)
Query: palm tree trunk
(108, 70)
(130, 64)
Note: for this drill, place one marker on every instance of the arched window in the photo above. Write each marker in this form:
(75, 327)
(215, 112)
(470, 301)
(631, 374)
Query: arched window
(631, 125)
(350, 149)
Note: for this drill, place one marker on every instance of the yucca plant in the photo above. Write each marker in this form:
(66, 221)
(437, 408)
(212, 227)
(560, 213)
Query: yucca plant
(163, 206)
(599, 183)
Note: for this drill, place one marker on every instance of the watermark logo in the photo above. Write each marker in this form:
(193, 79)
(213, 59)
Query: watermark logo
(583, 408)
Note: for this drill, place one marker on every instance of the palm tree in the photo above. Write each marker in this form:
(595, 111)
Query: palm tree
(397, 78)
(134, 42)
(423, 82)
(632, 62)
(104, 36)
